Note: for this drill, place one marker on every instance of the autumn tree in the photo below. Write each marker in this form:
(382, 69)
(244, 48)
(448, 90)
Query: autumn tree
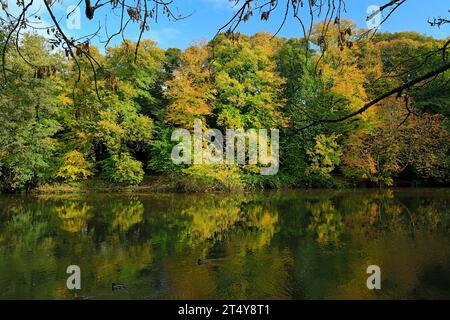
(396, 143)
(189, 92)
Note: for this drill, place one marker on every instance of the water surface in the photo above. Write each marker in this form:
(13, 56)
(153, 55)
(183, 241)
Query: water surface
(305, 244)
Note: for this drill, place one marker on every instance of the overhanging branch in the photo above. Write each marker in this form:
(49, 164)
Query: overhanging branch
(398, 90)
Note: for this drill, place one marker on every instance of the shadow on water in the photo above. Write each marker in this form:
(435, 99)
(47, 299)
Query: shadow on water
(305, 244)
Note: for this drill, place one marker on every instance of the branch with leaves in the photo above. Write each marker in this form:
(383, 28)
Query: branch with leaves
(130, 11)
(398, 91)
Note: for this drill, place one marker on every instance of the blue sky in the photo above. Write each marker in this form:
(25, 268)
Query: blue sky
(209, 15)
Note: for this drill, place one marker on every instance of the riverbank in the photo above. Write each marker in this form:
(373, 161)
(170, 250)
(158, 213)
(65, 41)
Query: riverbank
(156, 184)
(182, 184)
(150, 184)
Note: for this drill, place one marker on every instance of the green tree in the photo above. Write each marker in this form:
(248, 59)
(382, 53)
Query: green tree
(28, 113)
(113, 124)
(325, 156)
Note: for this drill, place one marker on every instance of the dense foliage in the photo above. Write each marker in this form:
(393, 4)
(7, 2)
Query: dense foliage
(114, 120)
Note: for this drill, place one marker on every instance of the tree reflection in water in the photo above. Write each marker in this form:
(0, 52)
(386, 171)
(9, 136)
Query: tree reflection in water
(296, 244)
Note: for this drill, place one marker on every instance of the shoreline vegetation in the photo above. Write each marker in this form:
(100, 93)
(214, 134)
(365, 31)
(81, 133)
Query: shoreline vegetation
(111, 130)
(162, 184)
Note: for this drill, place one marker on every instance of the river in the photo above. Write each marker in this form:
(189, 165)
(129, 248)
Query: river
(300, 244)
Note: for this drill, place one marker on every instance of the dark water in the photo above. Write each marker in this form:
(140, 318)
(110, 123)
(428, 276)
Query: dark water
(314, 244)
